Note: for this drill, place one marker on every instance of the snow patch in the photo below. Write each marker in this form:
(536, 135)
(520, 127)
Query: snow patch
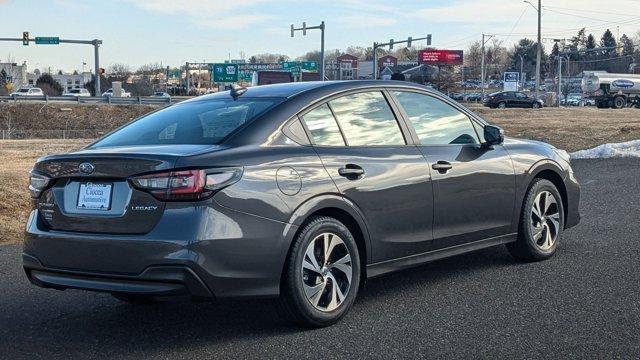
(625, 149)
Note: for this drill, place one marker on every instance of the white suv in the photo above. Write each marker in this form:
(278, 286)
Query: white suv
(34, 91)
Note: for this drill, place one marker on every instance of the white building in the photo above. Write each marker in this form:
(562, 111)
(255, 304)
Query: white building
(67, 81)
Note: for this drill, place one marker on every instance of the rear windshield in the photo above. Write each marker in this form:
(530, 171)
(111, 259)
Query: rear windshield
(197, 123)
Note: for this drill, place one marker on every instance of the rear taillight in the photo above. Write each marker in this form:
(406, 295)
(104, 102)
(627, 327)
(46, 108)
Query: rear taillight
(186, 184)
(37, 183)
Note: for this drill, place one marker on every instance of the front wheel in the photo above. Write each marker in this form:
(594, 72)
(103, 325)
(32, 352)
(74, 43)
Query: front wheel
(619, 102)
(322, 274)
(502, 105)
(535, 105)
(541, 223)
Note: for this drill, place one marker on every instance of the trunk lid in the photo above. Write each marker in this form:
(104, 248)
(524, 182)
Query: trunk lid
(91, 191)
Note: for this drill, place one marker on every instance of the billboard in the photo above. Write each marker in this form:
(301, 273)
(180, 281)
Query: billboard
(440, 57)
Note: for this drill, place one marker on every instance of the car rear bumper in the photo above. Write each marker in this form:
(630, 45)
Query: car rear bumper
(153, 281)
(217, 252)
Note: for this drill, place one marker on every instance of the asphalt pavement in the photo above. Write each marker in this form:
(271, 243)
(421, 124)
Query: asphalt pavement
(583, 303)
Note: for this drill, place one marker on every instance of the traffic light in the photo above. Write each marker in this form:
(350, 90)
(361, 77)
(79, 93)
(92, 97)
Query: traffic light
(391, 44)
(25, 38)
(428, 39)
(409, 42)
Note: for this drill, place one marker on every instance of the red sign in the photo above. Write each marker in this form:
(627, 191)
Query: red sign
(440, 57)
(349, 59)
(387, 61)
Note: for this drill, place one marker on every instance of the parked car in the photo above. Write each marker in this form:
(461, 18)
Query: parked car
(77, 93)
(123, 93)
(513, 99)
(456, 96)
(299, 191)
(32, 91)
(161, 94)
(473, 97)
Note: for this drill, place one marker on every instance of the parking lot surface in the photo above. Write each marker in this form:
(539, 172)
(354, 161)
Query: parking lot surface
(583, 303)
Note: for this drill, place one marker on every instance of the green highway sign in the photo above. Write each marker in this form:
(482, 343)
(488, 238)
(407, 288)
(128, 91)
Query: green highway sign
(224, 72)
(310, 66)
(288, 65)
(47, 40)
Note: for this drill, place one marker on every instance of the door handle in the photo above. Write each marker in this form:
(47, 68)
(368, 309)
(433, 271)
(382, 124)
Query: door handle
(351, 171)
(442, 166)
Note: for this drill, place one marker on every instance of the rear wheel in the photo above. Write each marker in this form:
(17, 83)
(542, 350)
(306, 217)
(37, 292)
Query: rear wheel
(619, 102)
(541, 223)
(322, 274)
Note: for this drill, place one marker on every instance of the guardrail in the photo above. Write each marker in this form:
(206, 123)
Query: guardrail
(97, 99)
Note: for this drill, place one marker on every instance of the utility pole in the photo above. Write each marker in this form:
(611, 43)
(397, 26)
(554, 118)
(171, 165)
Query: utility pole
(521, 67)
(390, 44)
(186, 85)
(96, 45)
(559, 58)
(539, 49)
(304, 29)
(482, 75)
(539, 45)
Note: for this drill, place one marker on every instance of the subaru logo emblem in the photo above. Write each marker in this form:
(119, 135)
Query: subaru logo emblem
(86, 168)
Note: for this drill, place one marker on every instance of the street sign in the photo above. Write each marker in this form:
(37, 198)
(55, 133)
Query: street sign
(311, 66)
(25, 38)
(47, 40)
(224, 72)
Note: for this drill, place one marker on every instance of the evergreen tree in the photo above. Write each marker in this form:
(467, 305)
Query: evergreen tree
(627, 45)
(591, 42)
(49, 86)
(608, 40)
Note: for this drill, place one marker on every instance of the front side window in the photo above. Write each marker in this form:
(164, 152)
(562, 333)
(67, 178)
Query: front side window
(436, 122)
(200, 122)
(367, 120)
(323, 127)
(520, 95)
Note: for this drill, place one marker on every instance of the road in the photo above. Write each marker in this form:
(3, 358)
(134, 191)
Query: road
(583, 303)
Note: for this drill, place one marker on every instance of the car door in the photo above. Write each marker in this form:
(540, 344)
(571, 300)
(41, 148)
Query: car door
(363, 148)
(473, 186)
(522, 100)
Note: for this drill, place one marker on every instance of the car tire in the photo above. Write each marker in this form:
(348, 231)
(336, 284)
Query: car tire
(134, 299)
(308, 295)
(535, 105)
(502, 105)
(541, 223)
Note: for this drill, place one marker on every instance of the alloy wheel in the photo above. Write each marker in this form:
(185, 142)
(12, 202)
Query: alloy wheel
(545, 220)
(326, 272)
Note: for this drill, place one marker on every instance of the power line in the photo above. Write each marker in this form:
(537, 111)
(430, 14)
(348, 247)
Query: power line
(591, 11)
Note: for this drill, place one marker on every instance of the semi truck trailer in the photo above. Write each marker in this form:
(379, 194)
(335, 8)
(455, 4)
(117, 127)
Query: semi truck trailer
(612, 90)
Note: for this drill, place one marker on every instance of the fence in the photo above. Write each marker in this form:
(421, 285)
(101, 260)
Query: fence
(96, 99)
(51, 134)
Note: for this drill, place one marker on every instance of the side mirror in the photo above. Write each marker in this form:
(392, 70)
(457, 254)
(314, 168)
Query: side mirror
(493, 135)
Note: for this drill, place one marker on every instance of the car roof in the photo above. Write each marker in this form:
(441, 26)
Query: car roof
(288, 90)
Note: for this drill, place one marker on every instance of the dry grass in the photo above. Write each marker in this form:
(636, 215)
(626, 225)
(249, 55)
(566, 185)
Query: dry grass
(18, 157)
(570, 129)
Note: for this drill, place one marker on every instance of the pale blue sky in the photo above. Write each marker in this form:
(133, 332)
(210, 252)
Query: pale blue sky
(174, 31)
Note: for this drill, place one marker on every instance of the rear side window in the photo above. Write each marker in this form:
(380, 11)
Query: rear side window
(200, 122)
(436, 122)
(366, 119)
(323, 127)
